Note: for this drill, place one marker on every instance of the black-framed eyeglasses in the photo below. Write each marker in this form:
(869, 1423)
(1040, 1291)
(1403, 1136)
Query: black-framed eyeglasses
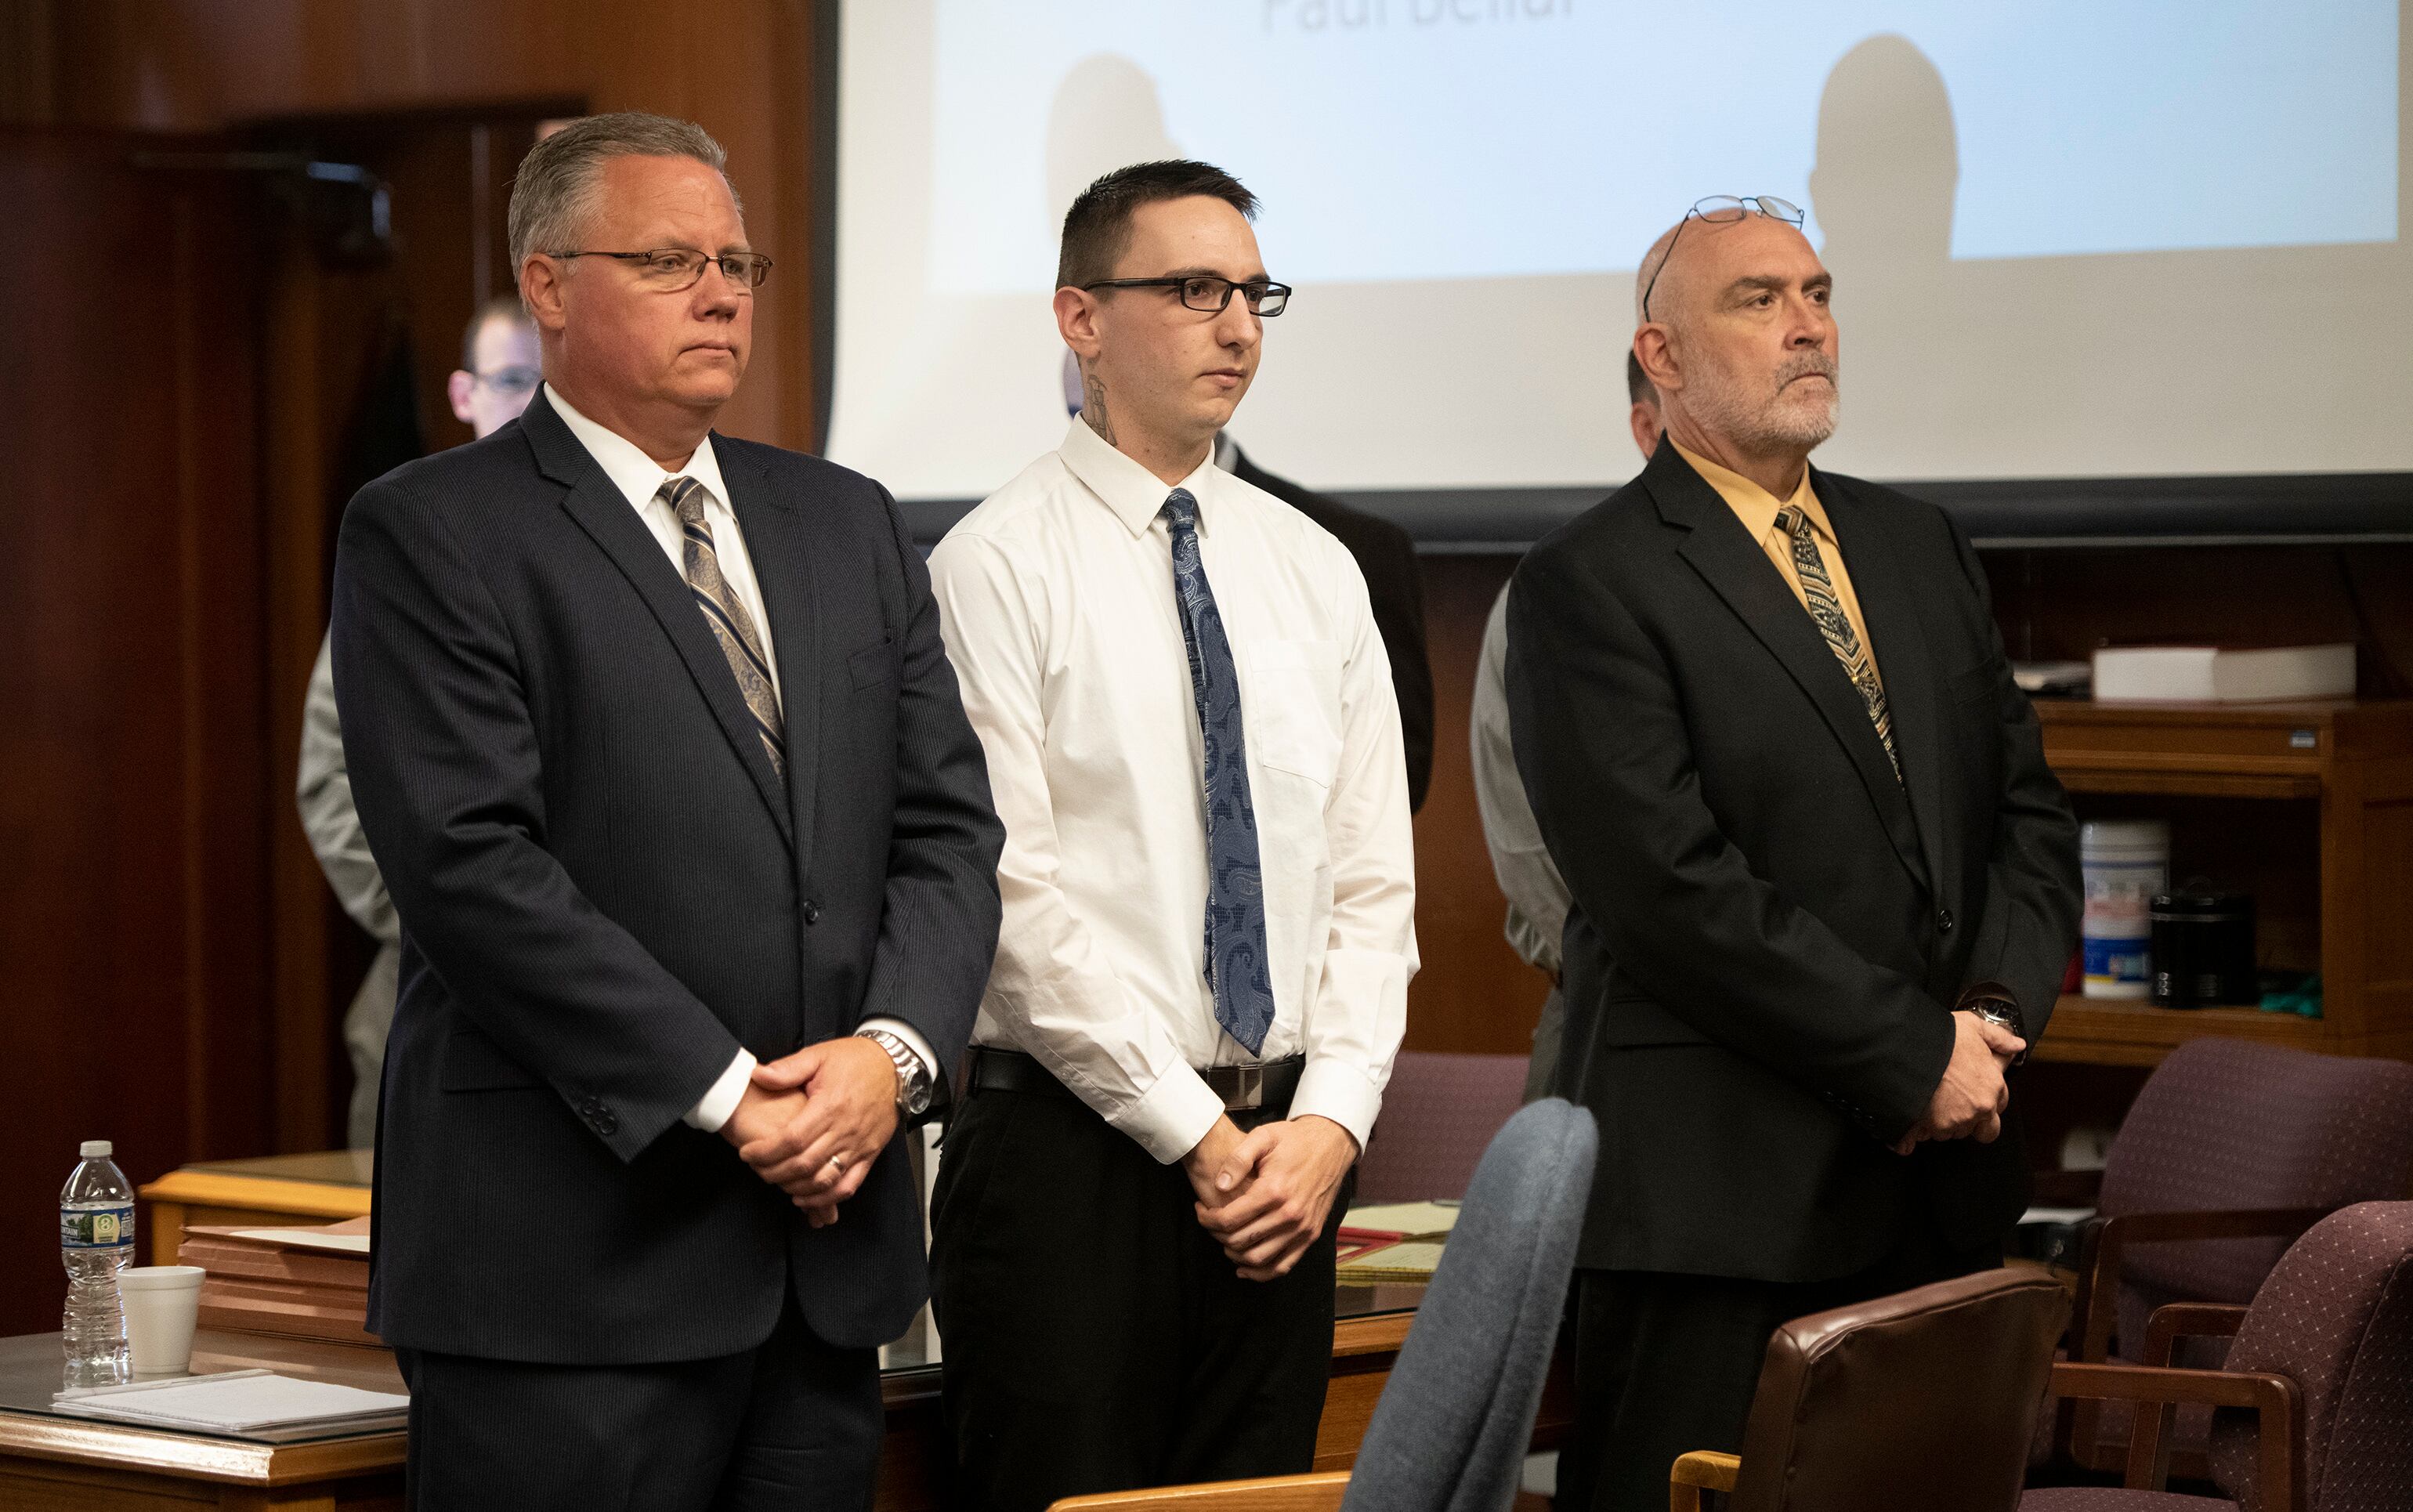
(511, 383)
(1210, 295)
(1723, 209)
(669, 270)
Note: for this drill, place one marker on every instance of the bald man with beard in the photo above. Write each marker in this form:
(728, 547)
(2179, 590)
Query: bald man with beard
(1822, 882)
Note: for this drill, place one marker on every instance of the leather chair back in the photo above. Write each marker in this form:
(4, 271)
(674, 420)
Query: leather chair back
(1925, 1398)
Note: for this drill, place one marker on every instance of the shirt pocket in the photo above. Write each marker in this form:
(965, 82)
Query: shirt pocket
(1291, 707)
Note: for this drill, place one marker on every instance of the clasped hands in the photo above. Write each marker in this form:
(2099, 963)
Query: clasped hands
(811, 1123)
(1969, 1103)
(1264, 1195)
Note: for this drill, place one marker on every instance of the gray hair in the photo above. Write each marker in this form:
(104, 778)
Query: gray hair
(555, 191)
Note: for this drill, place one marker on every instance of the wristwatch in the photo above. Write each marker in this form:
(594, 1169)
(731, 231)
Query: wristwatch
(1995, 1003)
(912, 1077)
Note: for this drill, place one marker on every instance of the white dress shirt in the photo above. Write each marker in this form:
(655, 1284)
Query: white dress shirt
(640, 479)
(1056, 598)
(1537, 896)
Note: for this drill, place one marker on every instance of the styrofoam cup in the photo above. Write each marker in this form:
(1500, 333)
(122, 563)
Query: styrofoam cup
(162, 1304)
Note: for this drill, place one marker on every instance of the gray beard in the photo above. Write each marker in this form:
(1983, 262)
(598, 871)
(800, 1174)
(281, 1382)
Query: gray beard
(1770, 424)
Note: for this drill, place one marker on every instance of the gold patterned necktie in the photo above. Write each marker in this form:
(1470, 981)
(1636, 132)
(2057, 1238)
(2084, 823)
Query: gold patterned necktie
(731, 625)
(1827, 609)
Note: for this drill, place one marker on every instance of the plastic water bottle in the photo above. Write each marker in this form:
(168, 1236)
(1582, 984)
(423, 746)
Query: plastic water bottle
(95, 1242)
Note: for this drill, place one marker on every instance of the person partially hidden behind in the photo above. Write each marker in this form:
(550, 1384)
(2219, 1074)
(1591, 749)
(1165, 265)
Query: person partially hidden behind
(497, 376)
(655, 740)
(1210, 900)
(1772, 742)
(1536, 895)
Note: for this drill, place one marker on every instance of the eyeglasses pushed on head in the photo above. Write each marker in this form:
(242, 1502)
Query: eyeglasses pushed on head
(1722, 209)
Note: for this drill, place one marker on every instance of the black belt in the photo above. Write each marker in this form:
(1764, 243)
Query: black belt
(1266, 1088)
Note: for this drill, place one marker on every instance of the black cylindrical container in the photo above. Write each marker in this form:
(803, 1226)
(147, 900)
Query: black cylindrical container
(2204, 948)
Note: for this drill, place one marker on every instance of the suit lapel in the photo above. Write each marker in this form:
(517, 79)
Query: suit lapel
(1739, 572)
(784, 564)
(1904, 660)
(604, 512)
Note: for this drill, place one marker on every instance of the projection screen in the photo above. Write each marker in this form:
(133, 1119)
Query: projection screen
(2148, 240)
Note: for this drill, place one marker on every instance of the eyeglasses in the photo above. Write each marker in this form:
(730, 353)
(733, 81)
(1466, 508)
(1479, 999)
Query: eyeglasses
(1211, 296)
(1724, 209)
(670, 270)
(511, 383)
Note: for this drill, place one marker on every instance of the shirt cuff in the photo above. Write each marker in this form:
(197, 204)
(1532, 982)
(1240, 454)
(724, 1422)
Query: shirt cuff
(1170, 1118)
(914, 1042)
(713, 1110)
(1337, 1090)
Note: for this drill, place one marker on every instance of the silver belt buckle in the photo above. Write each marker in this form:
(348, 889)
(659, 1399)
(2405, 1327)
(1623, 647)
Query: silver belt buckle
(1248, 1088)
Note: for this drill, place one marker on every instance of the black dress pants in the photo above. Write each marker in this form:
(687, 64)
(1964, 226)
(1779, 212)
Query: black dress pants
(1667, 1364)
(1095, 1337)
(793, 1424)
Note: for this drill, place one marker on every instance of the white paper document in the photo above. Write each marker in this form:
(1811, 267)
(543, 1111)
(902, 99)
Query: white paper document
(235, 1401)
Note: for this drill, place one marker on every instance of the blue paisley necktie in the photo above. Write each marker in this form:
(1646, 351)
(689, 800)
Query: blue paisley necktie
(1236, 968)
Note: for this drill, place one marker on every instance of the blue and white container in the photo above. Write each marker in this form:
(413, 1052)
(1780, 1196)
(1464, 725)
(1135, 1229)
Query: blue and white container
(2124, 862)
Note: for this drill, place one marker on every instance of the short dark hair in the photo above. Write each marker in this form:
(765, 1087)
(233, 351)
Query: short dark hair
(1098, 227)
(1639, 389)
(501, 308)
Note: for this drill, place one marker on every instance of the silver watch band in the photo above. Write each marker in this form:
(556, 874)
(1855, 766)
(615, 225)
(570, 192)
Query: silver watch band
(912, 1077)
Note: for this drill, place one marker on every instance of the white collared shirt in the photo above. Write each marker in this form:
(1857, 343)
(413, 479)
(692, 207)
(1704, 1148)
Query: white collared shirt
(1056, 598)
(639, 477)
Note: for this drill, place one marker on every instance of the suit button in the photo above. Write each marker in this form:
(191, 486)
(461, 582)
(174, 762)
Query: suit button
(1943, 921)
(812, 913)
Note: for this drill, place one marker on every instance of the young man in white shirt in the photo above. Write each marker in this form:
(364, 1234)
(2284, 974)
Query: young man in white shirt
(1208, 899)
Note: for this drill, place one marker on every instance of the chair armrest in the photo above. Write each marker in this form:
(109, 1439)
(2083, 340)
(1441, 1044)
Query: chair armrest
(1320, 1492)
(1703, 1470)
(2104, 1243)
(2272, 1398)
(2188, 1320)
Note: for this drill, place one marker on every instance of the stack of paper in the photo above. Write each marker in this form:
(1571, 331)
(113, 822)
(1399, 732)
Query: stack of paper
(1399, 1241)
(246, 1403)
(304, 1283)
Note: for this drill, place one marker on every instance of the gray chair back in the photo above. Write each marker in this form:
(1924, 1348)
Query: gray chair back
(1451, 1430)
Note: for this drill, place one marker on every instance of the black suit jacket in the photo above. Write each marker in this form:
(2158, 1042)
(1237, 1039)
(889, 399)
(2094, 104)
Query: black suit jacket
(1387, 556)
(1769, 927)
(605, 890)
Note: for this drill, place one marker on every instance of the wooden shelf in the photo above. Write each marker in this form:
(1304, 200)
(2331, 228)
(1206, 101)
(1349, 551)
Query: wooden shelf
(2334, 873)
(2113, 1032)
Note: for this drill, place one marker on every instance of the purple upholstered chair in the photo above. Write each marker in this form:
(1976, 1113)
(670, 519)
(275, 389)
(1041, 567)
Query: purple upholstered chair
(1439, 1114)
(2314, 1403)
(2231, 1149)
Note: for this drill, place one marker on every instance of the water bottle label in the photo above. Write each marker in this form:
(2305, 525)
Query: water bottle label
(96, 1228)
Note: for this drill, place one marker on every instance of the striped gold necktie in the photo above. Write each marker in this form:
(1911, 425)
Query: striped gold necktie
(1827, 609)
(731, 625)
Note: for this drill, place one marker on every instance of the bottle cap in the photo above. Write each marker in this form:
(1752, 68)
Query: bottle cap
(98, 1149)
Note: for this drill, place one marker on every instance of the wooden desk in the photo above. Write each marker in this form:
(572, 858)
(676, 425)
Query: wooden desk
(52, 1463)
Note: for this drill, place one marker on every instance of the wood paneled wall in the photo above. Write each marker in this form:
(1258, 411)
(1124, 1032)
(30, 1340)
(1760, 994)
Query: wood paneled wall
(134, 796)
(743, 68)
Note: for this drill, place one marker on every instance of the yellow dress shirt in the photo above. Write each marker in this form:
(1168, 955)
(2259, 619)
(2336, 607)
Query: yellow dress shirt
(1758, 509)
